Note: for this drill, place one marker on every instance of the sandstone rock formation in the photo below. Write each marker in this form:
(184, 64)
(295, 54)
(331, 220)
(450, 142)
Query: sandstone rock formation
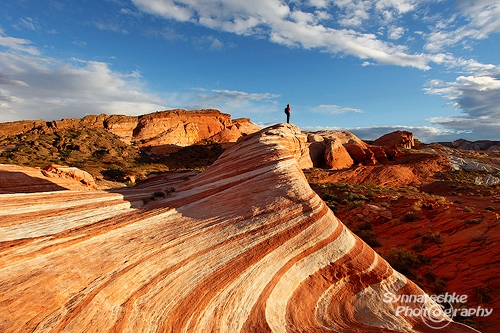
(176, 127)
(401, 139)
(245, 246)
(61, 171)
(337, 157)
(19, 179)
(338, 150)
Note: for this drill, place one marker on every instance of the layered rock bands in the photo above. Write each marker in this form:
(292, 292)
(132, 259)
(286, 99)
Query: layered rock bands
(174, 127)
(245, 246)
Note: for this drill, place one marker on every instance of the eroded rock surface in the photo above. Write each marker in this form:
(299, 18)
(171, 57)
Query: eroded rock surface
(337, 150)
(401, 139)
(245, 246)
(175, 127)
(19, 179)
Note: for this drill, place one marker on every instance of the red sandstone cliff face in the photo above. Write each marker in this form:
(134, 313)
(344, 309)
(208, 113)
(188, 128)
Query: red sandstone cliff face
(177, 127)
(245, 246)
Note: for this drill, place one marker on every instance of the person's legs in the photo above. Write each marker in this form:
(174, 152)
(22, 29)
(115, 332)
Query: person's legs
(288, 118)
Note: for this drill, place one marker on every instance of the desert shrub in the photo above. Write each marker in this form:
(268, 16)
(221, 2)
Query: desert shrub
(332, 205)
(419, 247)
(473, 221)
(403, 260)
(368, 236)
(490, 208)
(410, 217)
(468, 210)
(114, 174)
(329, 197)
(355, 197)
(365, 226)
(396, 221)
(100, 153)
(159, 194)
(437, 284)
(432, 237)
(482, 295)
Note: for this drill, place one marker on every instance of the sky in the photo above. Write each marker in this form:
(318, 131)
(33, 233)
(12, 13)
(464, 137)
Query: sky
(431, 67)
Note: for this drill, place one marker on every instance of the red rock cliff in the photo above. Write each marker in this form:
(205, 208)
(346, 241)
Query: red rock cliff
(175, 127)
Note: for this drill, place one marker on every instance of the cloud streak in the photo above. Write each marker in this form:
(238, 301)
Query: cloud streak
(334, 109)
(426, 134)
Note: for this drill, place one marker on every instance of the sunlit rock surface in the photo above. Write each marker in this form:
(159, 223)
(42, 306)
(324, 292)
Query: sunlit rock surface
(245, 246)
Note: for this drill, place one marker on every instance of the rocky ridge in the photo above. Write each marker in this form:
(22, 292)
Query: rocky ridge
(173, 128)
(123, 148)
(245, 246)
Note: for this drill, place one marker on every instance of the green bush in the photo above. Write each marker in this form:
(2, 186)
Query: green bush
(410, 217)
(419, 247)
(403, 260)
(368, 237)
(433, 237)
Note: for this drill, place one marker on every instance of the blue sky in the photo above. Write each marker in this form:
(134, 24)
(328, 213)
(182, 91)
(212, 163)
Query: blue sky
(428, 66)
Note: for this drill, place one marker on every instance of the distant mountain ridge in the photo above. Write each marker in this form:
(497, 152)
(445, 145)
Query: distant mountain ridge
(473, 145)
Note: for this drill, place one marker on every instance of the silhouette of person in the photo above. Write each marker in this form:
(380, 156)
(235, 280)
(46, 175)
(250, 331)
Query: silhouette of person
(287, 111)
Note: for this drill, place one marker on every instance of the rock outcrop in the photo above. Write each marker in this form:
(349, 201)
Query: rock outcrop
(61, 171)
(245, 246)
(19, 179)
(338, 150)
(165, 128)
(400, 139)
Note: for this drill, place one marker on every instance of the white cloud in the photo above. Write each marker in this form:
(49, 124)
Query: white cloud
(478, 97)
(299, 26)
(110, 27)
(27, 23)
(17, 44)
(334, 109)
(425, 134)
(237, 103)
(240, 95)
(482, 19)
(37, 87)
(395, 32)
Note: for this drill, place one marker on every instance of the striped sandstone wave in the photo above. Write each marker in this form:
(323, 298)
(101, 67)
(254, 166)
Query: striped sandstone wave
(246, 246)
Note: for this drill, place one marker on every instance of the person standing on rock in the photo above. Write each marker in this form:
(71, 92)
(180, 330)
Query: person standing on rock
(287, 112)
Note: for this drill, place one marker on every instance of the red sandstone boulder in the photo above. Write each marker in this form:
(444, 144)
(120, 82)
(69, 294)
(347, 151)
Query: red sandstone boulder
(336, 156)
(361, 153)
(402, 139)
(22, 179)
(60, 171)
